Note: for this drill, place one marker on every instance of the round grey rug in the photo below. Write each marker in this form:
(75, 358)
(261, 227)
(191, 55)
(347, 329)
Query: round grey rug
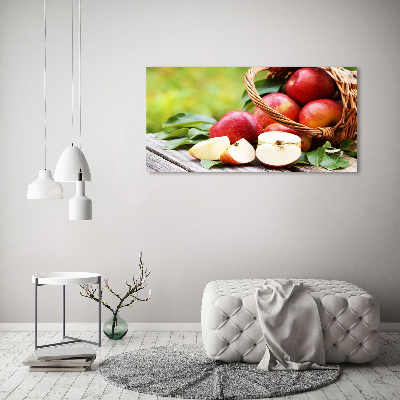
(185, 371)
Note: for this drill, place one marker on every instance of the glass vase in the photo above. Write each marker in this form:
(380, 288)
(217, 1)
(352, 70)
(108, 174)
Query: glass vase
(115, 327)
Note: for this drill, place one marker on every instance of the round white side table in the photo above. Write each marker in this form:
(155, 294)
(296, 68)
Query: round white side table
(62, 279)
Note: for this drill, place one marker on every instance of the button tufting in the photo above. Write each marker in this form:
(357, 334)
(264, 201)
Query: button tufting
(329, 295)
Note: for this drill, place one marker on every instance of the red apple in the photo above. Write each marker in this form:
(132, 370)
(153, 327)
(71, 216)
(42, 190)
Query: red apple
(305, 139)
(321, 113)
(237, 125)
(281, 103)
(309, 84)
(240, 152)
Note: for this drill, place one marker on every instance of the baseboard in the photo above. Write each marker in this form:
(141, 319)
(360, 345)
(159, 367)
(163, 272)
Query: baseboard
(390, 327)
(138, 327)
(92, 327)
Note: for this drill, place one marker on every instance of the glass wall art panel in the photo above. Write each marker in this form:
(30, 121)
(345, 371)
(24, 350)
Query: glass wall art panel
(251, 119)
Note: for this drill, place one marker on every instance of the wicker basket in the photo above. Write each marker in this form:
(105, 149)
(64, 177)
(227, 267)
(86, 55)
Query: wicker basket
(346, 82)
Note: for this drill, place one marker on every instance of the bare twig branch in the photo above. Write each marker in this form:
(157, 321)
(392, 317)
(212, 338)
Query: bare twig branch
(139, 283)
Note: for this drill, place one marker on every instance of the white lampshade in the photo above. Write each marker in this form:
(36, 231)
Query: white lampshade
(71, 161)
(80, 206)
(44, 187)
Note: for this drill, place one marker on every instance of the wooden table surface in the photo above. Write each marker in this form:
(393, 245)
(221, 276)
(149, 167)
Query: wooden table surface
(179, 160)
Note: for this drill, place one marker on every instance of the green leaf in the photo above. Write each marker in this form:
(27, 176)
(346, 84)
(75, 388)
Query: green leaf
(345, 145)
(205, 127)
(171, 129)
(351, 68)
(352, 153)
(168, 135)
(329, 161)
(341, 163)
(173, 144)
(197, 133)
(188, 120)
(315, 157)
(248, 106)
(264, 86)
(335, 162)
(327, 145)
(207, 164)
(303, 159)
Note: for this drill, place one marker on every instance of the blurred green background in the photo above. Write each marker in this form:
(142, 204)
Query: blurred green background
(211, 91)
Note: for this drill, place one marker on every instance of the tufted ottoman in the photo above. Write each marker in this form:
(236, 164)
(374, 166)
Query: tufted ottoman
(231, 330)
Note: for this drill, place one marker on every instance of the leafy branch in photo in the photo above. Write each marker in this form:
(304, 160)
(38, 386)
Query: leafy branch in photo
(327, 157)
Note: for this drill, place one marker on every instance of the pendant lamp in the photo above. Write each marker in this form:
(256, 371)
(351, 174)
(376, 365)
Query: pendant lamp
(72, 162)
(80, 206)
(72, 165)
(44, 186)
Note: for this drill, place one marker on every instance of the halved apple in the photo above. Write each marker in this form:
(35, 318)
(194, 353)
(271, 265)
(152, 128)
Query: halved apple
(240, 152)
(278, 149)
(210, 149)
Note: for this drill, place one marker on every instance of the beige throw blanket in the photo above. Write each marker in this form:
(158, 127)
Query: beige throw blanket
(291, 327)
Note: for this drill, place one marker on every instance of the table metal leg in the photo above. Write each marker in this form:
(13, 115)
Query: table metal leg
(73, 339)
(63, 311)
(100, 297)
(36, 286)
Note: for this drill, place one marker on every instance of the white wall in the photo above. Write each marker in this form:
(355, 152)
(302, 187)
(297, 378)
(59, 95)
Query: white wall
(192, 228)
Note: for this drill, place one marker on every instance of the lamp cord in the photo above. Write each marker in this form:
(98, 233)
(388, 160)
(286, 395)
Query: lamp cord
(79, 88)
(44, 84)
(72, 68)
(79, 84)
(79, 76)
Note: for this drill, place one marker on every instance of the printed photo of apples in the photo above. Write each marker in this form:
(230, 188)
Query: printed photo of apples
(251, 119)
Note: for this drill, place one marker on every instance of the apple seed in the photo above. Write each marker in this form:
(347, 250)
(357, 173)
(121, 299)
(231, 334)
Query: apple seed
(282, 143)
